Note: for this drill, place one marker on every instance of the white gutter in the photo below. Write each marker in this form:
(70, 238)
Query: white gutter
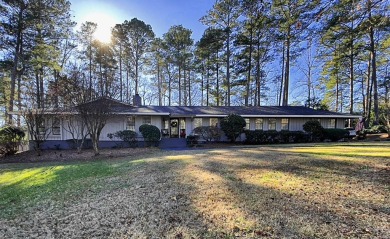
(287, 116)
(145, 113)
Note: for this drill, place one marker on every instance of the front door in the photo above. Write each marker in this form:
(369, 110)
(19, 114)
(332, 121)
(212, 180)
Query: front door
(174, 128)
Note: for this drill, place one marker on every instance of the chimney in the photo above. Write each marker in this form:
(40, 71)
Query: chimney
(137, 101)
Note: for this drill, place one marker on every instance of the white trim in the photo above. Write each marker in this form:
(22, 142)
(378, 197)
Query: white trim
(287, 116)
(211, 116)
(145, 114)
(303, 116)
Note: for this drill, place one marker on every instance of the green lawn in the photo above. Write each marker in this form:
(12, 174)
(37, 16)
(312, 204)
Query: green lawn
(295, 191)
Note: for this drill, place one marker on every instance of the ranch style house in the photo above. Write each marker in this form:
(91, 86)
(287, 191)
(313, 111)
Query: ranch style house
(179, 121)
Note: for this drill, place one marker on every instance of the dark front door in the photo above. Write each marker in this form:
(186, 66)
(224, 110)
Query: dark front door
(174, 128)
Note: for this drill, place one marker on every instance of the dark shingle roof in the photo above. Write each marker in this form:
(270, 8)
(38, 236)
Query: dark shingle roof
(271, 111)
(218, 111)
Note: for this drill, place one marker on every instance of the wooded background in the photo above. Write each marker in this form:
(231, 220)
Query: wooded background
(333, 54)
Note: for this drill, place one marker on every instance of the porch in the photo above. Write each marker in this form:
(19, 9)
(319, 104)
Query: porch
(174, 128)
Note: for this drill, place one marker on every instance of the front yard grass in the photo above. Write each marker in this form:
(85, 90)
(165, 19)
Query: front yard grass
(287, 191)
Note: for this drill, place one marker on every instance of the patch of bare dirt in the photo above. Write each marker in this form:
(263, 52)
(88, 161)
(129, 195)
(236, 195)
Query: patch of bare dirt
(72, 155)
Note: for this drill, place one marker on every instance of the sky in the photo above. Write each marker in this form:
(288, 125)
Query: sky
(160, 14)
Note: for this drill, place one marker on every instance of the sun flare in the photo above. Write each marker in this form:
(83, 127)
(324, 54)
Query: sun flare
(105, 23)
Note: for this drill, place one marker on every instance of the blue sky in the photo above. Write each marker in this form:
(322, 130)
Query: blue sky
(160, 14)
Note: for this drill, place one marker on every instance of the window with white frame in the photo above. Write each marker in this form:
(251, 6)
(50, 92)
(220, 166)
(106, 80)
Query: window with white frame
(130, 123)
(259, 124)
(147, 120)
(284, 124)
(56, 126)
(197, 122)
(182, 123)
(247, 123)
(271, 124)
(214, 122)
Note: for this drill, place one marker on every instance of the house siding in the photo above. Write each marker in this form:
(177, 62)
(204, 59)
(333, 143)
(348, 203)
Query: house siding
(118, 123)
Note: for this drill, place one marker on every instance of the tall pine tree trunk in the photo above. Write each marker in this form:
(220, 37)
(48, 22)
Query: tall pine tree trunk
(287, 69)
(228, 66)
(283, 70)
(217, 86)
(179, 85)
(120, 72)
(248, 83)
(16, 73)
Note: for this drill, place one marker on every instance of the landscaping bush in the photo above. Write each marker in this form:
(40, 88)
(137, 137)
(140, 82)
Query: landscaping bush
(293, 137)
(335, 134)
(208, 133)
(151, 134)
(127, 136)
(192, 140)
(274, 137)
(10, 139)
(314, 128)
(376, 129)
(233, 125)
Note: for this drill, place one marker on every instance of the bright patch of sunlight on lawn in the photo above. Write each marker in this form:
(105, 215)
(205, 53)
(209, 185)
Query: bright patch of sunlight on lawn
(29, 177)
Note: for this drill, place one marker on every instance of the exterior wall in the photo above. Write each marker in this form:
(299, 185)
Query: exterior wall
(188, 125)
(295, 124)
(113, 125)
(118, 122)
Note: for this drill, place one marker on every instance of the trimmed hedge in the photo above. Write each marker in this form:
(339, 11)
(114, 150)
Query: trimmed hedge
(151, 134)
(274, 137)
(314, 128)
(208, 133)
(127, 136)
(335, 134)
(233, 125)
(192, 140)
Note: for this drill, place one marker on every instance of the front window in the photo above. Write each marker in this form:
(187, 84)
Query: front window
(214, 122)
(55, 128)
(182, 123)
(331, 124)
(41, 126)
(284, 124)
(197, 122)
(272, 124)
(247, 124)
(130, 123)
(147, 120)
(259, 124)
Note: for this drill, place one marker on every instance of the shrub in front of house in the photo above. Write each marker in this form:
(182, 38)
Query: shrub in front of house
(293, 137)
(208, 133)
(192, 140)
(335, 134)
(314, 128)
(376, 129)
(127, 136)
(11, 138)
(261, 137)
(151, 134)
(233, 125)
(274, 137)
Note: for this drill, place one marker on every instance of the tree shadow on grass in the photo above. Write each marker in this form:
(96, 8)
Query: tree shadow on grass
(287, 213)
(180, 196)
